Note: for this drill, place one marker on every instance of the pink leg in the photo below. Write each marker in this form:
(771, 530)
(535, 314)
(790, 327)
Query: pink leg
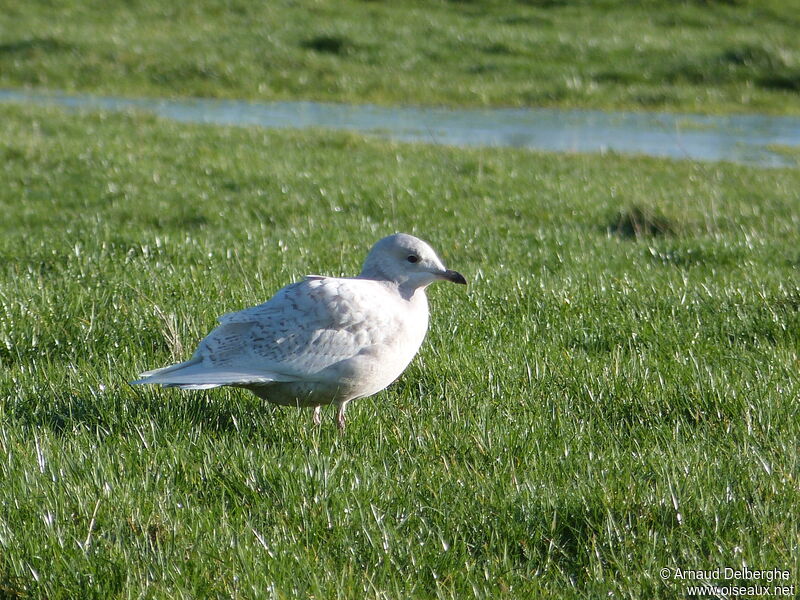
(340, 416)
(317, 418)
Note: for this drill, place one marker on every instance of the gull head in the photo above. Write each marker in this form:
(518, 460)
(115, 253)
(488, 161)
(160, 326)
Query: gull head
(407, 261)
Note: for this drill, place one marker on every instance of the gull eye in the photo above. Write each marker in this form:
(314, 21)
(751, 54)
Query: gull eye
(413, 258)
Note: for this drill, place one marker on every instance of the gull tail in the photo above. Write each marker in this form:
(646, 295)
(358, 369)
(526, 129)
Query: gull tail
(193, 375)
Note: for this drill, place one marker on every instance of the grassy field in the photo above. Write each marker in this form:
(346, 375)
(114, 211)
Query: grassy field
(691, 55)
(614, 393)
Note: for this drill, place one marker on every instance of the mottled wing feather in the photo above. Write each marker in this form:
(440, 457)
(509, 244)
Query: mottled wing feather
(305, 328)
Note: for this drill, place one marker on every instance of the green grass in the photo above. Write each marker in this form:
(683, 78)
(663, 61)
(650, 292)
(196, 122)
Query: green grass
(690, 55)
(614, 393)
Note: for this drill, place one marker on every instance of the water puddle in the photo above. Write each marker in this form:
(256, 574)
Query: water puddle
(746, 139)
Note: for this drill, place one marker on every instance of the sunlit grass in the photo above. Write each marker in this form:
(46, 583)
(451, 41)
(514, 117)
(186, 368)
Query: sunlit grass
(697, 56)
(601, 402)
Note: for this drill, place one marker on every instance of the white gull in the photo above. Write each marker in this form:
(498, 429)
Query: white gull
(322, 340)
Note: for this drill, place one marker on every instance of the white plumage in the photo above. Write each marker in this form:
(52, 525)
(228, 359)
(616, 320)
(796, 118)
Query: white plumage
(322, 340)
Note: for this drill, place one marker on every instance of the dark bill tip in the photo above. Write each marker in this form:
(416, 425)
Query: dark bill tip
(455, 277)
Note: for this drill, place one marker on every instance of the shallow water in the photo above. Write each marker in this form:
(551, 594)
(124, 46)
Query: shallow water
(743, 139)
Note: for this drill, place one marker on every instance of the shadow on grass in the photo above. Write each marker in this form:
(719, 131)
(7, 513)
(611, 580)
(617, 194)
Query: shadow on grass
(12, 587)
(789, 81)
(548, 536)
(638, 222)
(36, 44)
(741, 63)
(120, 412)
(328, 44)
